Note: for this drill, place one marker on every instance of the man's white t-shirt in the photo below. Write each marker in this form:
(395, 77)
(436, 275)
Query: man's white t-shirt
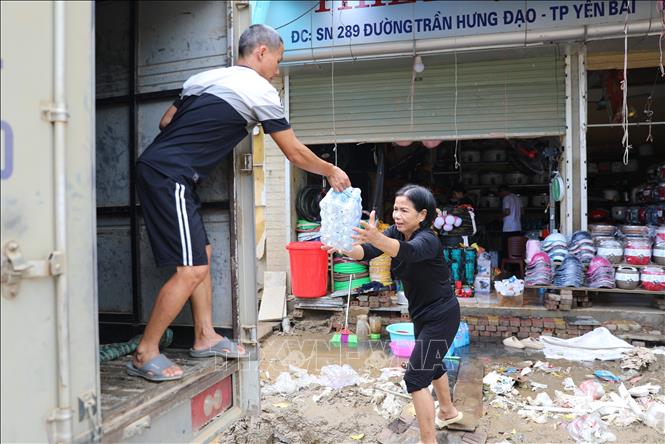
(512, 222)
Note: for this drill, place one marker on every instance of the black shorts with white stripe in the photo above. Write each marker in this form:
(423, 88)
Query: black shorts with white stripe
(171, 215)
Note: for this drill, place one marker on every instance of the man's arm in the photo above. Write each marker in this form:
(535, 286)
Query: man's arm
(302, 157)
(166, 118)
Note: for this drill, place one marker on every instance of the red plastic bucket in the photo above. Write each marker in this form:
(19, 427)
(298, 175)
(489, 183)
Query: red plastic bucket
(309, 269)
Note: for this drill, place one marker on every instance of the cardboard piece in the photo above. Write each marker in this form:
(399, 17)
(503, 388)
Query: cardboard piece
(273, 302)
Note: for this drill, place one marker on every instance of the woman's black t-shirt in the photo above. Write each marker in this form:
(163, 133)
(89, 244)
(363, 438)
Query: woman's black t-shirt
(420, 266)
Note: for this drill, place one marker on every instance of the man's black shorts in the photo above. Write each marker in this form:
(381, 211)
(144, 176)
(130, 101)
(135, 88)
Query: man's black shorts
(171, 214)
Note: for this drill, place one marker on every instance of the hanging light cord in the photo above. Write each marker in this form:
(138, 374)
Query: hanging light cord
(332, 78)
(661, 6)
(457, 164)
(624, 87)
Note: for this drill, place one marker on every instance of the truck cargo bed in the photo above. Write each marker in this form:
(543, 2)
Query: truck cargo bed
(126, 399)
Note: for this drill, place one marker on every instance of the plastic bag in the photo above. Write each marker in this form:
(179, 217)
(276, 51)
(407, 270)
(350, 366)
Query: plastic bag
(338, 376)
(590, 429)
(592, 389)
(462, 338)
(655, 417)
(340, 213)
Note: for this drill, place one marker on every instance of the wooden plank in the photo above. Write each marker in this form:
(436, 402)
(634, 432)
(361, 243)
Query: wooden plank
(468, 395)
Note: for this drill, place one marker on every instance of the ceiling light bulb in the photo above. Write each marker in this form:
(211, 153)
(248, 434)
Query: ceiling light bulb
(418, 65)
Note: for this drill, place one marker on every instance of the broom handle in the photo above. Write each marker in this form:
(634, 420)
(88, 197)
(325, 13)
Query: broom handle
(348, 302)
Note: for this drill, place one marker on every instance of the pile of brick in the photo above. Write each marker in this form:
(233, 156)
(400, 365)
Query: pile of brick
(581, 299)
(659, 302)
(563, 301)
(381, 299)
(505, 326)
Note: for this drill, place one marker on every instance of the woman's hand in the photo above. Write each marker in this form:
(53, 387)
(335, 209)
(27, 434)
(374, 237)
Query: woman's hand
(329, 249)
(369, 233)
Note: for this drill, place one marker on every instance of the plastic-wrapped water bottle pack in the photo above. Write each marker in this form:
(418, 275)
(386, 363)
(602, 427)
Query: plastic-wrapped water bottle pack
(340, 213)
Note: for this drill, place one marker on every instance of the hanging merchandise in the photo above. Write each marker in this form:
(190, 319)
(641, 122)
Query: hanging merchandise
(456, 221)
(570, 273)
(340, 213)
(600, 273)
(307, 203)
(557, 187)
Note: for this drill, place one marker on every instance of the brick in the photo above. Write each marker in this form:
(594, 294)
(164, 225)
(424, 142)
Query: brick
(483, 321)
(485, 333)
(491, 328)
(472, 327)
(522, 335)
(374, 304)
(514, 322)
(525, 329)
(514, 329)
(472, 320)
(363, 298)
(504, 321)
(525, 323)
(493, 320)
(536, 329)
(474, 333)
(374, 298)
(481, 327)
(502, 328)
(506, 334)
(363, 303)
(537, 322)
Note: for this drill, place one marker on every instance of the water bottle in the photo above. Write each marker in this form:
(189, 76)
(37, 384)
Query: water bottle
(340, 213)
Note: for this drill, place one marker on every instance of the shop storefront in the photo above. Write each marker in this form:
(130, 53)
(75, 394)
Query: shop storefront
(480, 94)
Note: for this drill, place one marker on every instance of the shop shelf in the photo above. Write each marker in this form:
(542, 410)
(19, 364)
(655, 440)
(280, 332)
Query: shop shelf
(600, 290)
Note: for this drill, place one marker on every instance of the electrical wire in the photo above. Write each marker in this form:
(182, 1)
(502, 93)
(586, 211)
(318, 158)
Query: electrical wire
(299, 17)
(624, 87)
(307, 203)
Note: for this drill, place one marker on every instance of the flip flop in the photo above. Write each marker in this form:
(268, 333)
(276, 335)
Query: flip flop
(153, 370)
(532, 343)
(224, 348)
(513, 342)
(441, 423)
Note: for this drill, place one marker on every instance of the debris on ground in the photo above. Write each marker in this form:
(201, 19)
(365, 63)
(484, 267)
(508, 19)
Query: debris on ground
(638, 358)
(590, 429)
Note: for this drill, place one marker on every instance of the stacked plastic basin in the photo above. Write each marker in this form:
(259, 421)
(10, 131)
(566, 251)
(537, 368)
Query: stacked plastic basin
(403, 341)
(556, 246)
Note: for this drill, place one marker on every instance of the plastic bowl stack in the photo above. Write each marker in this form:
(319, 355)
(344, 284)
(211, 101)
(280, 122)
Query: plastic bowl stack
(611, 249)
(581, 246)
(539, 270)
(637, 250)
(602, 230)
(600, 273)
(556, 246)
(570, 273)
(653, 278)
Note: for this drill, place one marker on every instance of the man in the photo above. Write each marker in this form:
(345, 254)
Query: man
(459, 197)
(213, 114)
(512, 215)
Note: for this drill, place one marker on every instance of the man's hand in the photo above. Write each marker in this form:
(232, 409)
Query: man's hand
(339, 180)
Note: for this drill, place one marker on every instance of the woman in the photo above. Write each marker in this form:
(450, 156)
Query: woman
(434, 310)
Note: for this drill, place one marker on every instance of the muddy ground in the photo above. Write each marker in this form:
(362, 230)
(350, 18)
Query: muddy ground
(317, 414)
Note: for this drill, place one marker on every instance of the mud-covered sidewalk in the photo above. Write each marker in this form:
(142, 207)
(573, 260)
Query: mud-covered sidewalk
(317, 392)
